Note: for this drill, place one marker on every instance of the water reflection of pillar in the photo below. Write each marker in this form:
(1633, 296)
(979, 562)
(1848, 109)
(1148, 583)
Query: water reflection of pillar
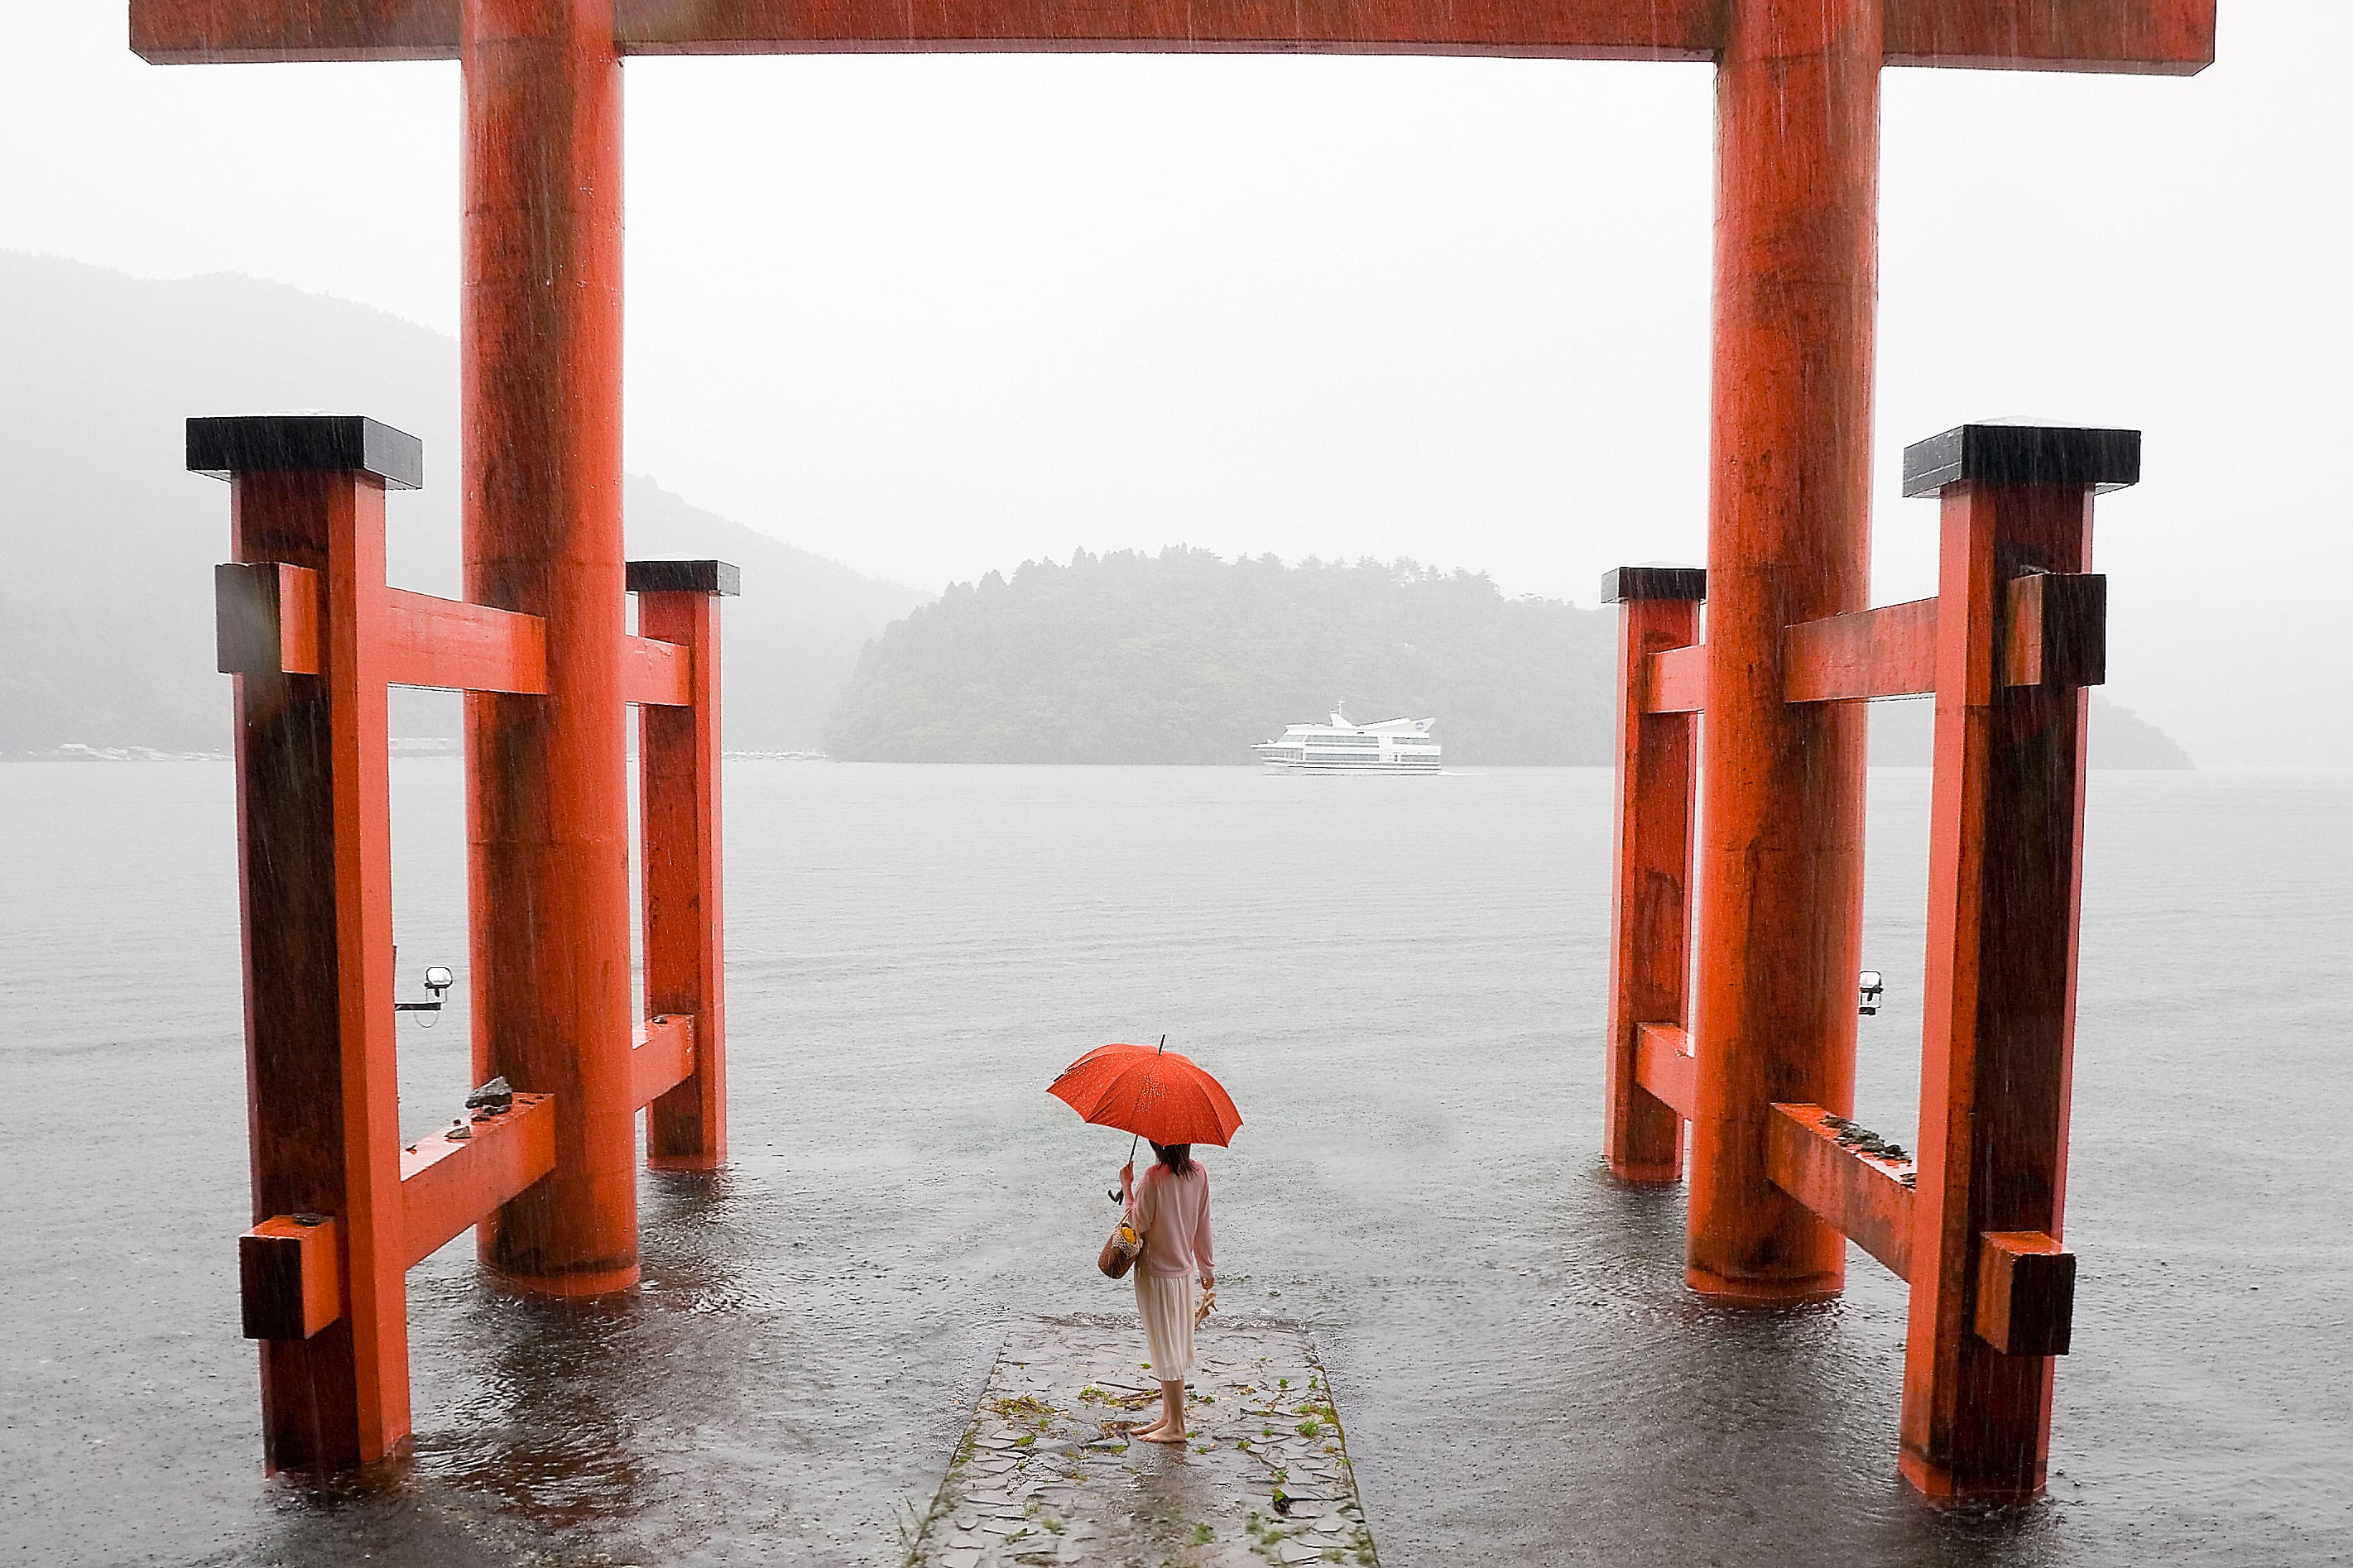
(547, 775)
(1779, 862)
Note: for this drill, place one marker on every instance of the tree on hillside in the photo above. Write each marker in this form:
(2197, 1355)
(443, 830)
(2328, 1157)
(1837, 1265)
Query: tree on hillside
(1183, 656)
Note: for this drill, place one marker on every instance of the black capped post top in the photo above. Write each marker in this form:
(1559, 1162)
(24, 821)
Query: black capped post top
(1620, 584)
(2003, 454)
(319, 443)
(720, 577)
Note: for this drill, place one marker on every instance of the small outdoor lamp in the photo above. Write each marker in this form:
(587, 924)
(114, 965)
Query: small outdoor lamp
(1873, 990)
(437, 980)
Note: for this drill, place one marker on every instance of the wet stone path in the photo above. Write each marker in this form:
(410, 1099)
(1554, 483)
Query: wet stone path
(1045, 1472)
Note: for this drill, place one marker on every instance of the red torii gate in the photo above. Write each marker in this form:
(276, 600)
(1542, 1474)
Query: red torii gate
(1780, 859)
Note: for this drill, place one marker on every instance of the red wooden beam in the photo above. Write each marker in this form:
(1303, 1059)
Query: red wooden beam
(660, 674)
(662, 1057)
(2053, 633)
(449, 1184)
(1663, 1065)
(1860, 1195)
(1676, 681)
(203, 32)
(2148, 37)
(2056, 630)
(2026, 1293)
(265, 618)
(290, 1276)
(1886, 652)
(457, 647)
(1577, 29)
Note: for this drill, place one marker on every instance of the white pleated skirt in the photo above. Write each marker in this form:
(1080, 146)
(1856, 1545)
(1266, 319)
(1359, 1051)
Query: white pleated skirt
(1165, 1302)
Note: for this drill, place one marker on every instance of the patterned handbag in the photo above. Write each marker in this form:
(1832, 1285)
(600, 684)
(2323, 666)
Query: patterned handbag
(1119, 1254)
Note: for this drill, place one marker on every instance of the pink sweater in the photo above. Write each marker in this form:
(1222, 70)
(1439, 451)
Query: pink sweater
(1173, 1213)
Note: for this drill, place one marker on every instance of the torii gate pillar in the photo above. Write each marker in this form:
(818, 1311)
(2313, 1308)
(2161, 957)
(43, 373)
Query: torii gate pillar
(548, 811)
(1780, 853)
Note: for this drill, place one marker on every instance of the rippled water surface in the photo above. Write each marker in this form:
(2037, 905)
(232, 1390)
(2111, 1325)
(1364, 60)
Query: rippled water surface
(1401, 981)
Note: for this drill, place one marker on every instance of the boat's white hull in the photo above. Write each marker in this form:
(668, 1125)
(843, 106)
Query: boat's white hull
(1392, 768)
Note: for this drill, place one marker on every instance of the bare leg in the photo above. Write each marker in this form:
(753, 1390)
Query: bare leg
(1170, 1427)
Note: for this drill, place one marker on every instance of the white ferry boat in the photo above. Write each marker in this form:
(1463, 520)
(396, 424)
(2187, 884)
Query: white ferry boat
(1390, 747)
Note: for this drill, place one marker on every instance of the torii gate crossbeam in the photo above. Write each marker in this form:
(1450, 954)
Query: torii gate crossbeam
(1779, 842)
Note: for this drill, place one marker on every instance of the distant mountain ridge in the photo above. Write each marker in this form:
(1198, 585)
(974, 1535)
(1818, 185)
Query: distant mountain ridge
(106, 633)
(107, 546)
(1183, 656)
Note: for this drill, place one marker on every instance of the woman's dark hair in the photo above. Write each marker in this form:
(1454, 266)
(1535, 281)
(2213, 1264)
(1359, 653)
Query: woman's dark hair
(1177, 1157)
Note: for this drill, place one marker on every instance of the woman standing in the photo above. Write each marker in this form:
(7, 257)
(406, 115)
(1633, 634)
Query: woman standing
(1170, 1209)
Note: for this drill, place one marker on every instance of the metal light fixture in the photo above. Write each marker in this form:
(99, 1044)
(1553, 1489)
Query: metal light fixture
(437, 980)
(1873, 990)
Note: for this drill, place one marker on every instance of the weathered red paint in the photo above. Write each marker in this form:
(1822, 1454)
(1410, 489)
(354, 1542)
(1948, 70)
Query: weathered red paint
(1862, 1195)
(1674, 680)
(547, 776)
(457, 647)
(656, 674)
(2004, 890)
(290, 1276)
(2055, 629)
(1663, 1065)
(2026, 1293)
(1887, 652)
(1650, 910)
(662, 1059)
(2160, 36)
(447, 1182)
(265, 618)
(1777, 923)
(677, 766)
(314, 879)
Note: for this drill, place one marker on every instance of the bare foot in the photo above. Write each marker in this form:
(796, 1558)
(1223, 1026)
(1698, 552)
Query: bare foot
(1145, 1431)
(1161, 1435)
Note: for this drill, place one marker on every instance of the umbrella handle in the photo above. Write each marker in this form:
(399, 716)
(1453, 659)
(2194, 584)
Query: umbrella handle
(1116, 1196)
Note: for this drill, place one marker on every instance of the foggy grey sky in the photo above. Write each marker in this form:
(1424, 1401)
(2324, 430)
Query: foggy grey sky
(931, 316)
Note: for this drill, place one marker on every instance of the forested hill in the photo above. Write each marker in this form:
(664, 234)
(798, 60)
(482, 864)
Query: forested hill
(1183, 656)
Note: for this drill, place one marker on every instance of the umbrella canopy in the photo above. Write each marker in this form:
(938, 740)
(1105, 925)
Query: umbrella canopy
(1155, 1094)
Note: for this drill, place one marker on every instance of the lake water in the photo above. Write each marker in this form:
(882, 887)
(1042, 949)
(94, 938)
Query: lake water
(1401, 981)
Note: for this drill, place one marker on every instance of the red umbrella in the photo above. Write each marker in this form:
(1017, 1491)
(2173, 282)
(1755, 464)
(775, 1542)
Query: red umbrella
(1155, 1094)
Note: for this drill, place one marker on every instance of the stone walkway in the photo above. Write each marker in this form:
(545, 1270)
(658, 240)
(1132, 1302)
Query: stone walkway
(1046, 1474)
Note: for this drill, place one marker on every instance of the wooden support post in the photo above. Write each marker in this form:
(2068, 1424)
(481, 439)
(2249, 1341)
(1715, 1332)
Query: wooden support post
(2004, 882)
(540, 356)
(678, 764)
(314, 860)
(1778, 916)
(1650, 906)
